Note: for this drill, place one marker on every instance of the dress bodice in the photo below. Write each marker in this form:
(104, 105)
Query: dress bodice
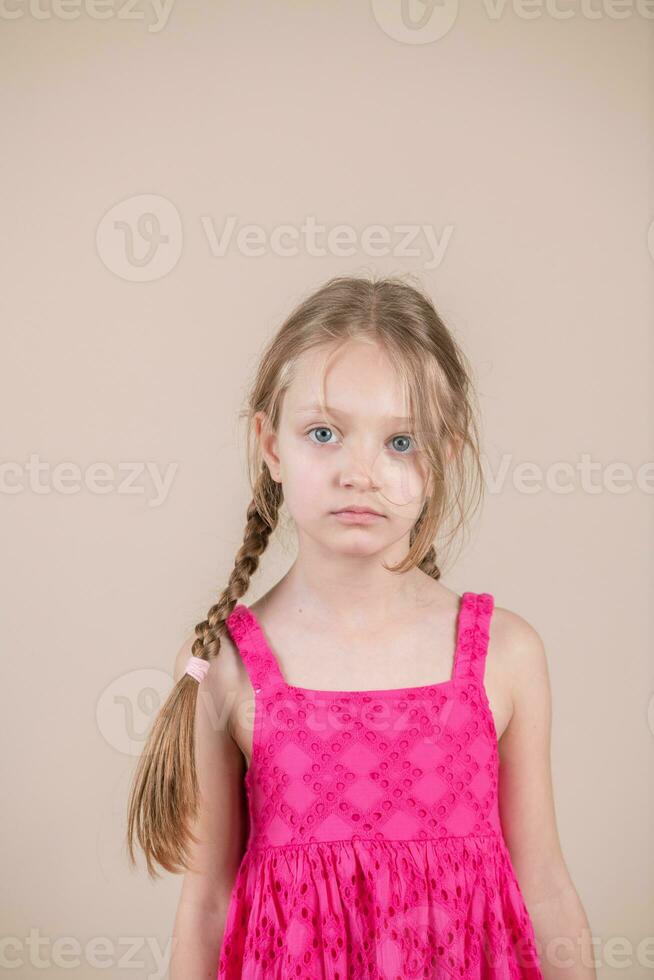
(399, 764)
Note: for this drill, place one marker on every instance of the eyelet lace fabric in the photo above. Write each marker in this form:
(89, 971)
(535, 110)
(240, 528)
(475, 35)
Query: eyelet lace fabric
(375, 848)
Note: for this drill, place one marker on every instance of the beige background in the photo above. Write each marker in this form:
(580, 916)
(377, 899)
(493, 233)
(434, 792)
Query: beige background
(526, 146)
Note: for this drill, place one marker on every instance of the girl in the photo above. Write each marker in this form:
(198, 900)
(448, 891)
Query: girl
(377, 835)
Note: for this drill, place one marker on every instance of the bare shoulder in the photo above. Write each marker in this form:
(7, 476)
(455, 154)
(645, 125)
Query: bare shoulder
(516, 654)
(225, 678)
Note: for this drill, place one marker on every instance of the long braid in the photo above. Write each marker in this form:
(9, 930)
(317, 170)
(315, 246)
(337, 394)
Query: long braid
(164, 797)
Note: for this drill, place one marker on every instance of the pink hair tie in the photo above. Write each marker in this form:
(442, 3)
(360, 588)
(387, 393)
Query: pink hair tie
(197, 667)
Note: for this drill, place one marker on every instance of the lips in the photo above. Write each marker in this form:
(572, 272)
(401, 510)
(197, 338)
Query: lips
(358, 510)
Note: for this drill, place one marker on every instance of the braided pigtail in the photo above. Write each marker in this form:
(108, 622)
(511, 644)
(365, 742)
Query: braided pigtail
(428, 563)
(164, 796)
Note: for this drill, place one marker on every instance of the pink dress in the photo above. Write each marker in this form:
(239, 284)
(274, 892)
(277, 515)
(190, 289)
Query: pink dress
(375, 848)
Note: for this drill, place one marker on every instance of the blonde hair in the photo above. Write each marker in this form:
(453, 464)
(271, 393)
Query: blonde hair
(436, 380)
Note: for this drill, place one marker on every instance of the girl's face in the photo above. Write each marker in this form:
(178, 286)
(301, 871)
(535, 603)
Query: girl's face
(360, 452)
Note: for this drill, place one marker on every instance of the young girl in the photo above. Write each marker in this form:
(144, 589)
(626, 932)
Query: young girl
(377, 835)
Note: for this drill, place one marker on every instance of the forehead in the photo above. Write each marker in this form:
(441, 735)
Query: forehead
(357, 379)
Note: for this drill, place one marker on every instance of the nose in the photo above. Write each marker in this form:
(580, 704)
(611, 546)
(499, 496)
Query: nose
(357, 472)
(358, 481)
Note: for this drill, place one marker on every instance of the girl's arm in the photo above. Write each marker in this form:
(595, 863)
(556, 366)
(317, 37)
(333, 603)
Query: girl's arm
(220, 826)
(527, 812)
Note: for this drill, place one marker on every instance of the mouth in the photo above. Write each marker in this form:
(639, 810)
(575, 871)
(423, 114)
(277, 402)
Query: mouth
(358, 510)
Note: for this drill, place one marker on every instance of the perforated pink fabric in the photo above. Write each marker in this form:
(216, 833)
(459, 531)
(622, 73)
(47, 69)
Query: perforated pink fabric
(375, 848)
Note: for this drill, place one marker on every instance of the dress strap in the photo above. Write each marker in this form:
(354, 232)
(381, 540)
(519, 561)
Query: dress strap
(475, 613)
(260, 662)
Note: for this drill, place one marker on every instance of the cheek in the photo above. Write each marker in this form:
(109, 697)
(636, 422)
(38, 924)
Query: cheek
(402, 480)
(305, 476)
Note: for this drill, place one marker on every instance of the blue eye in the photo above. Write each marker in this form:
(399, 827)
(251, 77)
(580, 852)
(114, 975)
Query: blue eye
(322, 429)
(406, 439)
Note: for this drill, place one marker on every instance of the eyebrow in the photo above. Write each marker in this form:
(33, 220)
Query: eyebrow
(336, 411)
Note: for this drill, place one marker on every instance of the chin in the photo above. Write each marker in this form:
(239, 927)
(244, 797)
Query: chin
(356, 545)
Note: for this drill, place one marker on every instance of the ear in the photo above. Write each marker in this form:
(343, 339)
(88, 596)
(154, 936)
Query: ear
(267, 438)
